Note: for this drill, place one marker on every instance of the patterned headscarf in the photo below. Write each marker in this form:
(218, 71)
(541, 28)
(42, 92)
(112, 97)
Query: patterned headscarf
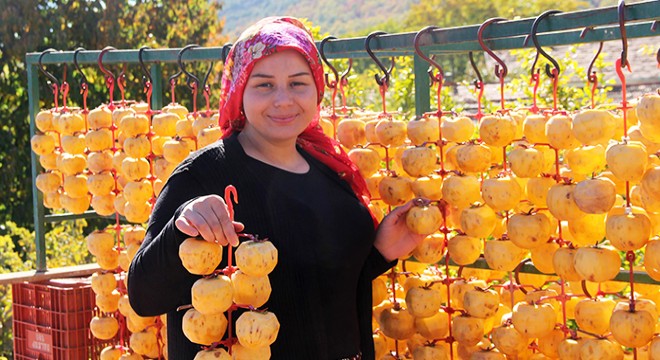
(266, 37)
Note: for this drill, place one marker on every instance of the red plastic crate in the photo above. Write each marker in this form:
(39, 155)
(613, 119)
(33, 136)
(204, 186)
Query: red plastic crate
(51, 320)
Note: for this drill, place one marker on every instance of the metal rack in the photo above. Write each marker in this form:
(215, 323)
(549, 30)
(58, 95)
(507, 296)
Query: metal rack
(605, 24)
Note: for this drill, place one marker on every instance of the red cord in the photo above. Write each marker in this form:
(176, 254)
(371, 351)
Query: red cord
(480, 86)
(624, 94)
(536, 79)
(383, 90)
(172, 88)
(555, 80)
(502, 89)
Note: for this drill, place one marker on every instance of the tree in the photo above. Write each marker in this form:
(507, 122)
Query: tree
(35, 25)
(454, 13)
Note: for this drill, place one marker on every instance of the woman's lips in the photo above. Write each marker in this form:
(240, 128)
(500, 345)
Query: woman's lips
(283, 118)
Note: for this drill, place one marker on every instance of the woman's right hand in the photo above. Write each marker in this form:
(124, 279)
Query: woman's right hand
(208, 217)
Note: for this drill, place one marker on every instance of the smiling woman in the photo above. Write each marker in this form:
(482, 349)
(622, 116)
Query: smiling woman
(297, 188)
(280, 102)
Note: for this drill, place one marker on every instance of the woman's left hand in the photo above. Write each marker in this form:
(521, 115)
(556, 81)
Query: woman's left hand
(393, 238)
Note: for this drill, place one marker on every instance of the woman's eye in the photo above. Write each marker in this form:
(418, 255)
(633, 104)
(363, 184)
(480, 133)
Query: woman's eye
(265, 85)
(296, 84)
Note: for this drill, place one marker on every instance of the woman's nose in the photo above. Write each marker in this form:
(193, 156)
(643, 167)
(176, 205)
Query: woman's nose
(283, 97)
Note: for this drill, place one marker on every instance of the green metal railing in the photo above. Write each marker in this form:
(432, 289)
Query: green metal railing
(640, 20)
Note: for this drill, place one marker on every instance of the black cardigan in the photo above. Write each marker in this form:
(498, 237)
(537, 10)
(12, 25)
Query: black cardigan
(322, 284)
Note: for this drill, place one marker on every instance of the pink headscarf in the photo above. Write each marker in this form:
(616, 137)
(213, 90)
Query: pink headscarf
(266, 37)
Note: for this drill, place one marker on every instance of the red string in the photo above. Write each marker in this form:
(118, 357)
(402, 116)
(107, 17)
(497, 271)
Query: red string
(439, 97)
(504, 167)
(630, 256)
(624, 94)
(555, 80)
(501, 76)
(479, 85)
(172, 88)
(148, 89)
(207, 94)
(383, 90)
(194, 92)
(536, 79)
(593, 91)
(230, 194)
(65, 94)
(333, 117)
(55, 88)
(122, 91)
(333, 86)
(151, 177)
(159, 339)
(343, 83)
(85, 111)
(84, 93)
(110, 83)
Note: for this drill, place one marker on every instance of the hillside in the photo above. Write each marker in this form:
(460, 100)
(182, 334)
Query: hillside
(337, 17)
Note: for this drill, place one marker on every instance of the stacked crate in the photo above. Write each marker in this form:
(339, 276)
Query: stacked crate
(51, 320)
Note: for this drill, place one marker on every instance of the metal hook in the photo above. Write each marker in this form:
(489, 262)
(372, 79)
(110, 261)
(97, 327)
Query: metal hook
(534, 71)
(516, 276)
(206, 76)
(385, 79)
(344, 75)
(430, 60)
(476, 70)
(192, 79)
(621, 10)
(83, 82)
(109, 76)
(225, 51)
(535, 40)
(147, 75)
(591, 75)
(329, 84)
(43, 70)
(173, 77)
(500, 69)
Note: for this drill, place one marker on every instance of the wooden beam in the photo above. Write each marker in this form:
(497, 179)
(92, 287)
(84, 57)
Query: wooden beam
(57, 273)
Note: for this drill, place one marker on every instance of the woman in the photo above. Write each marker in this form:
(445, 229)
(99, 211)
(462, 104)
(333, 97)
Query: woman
(296, 187)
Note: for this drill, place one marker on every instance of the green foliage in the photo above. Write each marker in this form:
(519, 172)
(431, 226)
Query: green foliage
(469, 12)
(35, 25)
(456, 13)
(363, 90)
(65, 246)
(10, 261)
(573, 91)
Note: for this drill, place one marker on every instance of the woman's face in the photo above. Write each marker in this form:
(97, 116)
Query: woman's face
(280, 98)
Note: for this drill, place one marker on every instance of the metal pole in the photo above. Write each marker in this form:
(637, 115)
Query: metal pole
(37, 198)
(422, 86)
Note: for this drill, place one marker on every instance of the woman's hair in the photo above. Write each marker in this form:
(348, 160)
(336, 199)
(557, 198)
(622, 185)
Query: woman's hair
(266, 37)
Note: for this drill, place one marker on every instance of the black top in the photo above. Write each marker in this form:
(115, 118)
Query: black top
(321, 286)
